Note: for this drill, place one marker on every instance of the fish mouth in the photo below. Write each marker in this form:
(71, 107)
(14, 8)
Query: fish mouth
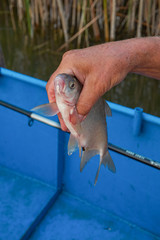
(59, 85)
(60, 89)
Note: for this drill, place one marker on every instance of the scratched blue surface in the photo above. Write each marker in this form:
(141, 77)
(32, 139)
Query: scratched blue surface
(72, 218)
(125, 205)
(21, 200)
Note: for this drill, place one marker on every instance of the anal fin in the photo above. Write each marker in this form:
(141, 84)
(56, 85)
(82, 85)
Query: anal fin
(72, 144)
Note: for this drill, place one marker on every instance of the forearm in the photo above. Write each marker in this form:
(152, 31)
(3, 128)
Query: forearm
(101, 67)
(146, 60)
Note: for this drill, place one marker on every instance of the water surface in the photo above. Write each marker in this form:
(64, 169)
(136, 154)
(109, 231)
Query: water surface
(38, 58)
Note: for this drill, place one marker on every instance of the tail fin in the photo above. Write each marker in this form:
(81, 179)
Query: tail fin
(86, 155)
(106, 160)
(97, 174)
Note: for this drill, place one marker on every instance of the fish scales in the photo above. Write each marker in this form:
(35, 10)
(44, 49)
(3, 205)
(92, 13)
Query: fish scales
(90, 135)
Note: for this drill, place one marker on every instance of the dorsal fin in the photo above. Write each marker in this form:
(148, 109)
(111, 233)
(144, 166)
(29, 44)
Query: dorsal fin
(107, 110)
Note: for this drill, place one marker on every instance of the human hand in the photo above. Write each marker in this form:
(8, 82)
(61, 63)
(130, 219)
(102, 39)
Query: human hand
(99, 68)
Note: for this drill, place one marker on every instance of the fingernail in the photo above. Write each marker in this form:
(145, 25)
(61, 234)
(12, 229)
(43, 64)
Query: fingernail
(52, 99)
(75, 118)
(65, 129)
(81, 117)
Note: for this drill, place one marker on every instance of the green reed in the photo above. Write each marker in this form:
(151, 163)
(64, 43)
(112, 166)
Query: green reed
(86, 21)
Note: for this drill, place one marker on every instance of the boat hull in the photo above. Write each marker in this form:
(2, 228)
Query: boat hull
(125, 205)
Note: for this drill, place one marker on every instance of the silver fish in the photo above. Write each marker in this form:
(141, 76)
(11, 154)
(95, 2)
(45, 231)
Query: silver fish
(90, 135)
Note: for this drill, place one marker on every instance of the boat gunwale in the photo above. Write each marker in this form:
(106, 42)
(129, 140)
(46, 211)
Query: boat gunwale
(114, 106)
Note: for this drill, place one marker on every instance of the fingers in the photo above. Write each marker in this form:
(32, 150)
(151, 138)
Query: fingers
(50, 88)
(67, 65)
(75, 118)
(88, 97)
(63, 126)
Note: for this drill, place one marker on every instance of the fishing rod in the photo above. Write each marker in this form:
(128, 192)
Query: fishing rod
(31, 115)
(52, 123)
(134, 156)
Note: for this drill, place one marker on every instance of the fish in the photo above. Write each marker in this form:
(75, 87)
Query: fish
(89, 135)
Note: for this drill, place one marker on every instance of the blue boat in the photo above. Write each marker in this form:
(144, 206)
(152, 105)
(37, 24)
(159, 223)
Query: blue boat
(43, 195)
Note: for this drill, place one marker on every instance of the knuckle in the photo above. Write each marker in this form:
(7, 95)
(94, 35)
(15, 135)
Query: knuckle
(68, 54)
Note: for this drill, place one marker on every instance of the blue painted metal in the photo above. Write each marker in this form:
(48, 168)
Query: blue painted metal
(28, 233)
(137, 122)
(21, 77)
(59, 168)
(73, 218)
(21, 200)
(59, 187)
(125, 152)
(135, 156)
(32, 116)
(128, 198)
(133, 192)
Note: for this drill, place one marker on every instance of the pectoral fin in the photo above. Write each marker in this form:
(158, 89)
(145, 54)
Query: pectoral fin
(72, 144)
(49, 109)
(107, 110)
(86, 155)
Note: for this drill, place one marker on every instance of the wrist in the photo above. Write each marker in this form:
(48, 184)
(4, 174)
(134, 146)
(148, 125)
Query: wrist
(144, 56)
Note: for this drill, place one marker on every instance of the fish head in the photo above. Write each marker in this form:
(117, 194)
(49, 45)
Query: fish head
(68, 88)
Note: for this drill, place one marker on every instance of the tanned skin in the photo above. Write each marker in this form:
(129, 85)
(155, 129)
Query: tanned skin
(101, 67)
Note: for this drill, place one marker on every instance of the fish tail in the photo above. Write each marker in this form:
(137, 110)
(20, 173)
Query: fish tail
(97, 174)
(107, 160)
(86, 155)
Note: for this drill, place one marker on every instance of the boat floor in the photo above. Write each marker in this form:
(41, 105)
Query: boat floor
(70, 218)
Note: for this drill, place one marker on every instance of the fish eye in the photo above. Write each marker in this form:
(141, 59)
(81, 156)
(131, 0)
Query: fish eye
(72, 84)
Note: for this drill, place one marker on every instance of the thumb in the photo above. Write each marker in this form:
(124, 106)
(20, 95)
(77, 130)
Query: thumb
(50, 88)
(88, 97)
